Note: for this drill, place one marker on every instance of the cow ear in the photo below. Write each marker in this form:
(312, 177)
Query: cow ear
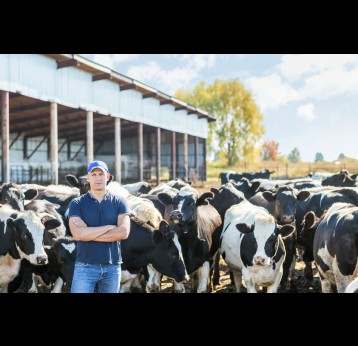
(255, 186)
(72, 180)
(269, 196)
(354, 176)
(303, 195)
(51, 224)
(202, 200)
(157, 236)
(11, 223)
(31, 194)
(245, 228)
(343, 176)
(214, 190)
(286, 230)
(163, 227)
(111, 178)
(309, 219)
(165, 198)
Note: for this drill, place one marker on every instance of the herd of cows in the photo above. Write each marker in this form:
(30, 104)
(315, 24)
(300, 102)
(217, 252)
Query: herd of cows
(258, 226)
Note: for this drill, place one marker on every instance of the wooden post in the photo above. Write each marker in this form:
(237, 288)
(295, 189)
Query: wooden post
(117, 149)
(5, 137)
(197, 156)
(159, 153)
(204, 161)
(54, 143)
(174, 156)
(89, 137)
(140, 151)
(185, 148)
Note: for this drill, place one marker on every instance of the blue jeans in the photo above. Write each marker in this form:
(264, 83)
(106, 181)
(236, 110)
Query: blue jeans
(86, 276)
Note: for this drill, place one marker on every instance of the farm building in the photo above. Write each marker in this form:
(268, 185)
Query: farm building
(61, 111)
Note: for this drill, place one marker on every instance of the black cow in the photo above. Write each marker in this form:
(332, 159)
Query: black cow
(21, 236)
(62, 199)
(225, 177)
(341, 179)
(335, 247)
(196, 221)
(145, 245)
(247, 187)
(81, 182)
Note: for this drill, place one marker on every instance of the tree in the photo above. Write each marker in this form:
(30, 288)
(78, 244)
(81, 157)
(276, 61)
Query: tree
(319, 157)
(238, 126)
(341, 157)
(269, 150)
(294, 156)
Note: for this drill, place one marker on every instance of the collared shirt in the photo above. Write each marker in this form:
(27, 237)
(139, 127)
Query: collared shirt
(94, 214)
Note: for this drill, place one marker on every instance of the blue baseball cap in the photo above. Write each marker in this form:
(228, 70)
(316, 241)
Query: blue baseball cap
(97, 164)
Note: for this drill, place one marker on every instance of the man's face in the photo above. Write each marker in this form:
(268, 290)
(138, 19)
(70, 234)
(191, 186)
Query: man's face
(98, 179)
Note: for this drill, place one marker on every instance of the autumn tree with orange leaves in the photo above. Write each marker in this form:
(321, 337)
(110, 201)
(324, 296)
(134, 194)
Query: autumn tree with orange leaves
(269, 151)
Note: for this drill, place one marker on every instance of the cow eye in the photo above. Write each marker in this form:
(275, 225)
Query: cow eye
(24, 236)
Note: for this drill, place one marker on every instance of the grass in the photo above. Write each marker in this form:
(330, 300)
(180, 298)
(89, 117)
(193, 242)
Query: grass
(282, 169)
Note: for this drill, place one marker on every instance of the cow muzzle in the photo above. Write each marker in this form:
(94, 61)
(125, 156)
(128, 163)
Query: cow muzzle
(287, 219)
(42, 259)
(260, 261)
(176, 216)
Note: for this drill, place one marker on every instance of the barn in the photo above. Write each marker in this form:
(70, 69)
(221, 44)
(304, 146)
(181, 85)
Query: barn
(61, 111)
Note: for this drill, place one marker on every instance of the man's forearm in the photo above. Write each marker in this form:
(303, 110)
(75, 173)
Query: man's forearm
(117, 233)
(89, 233)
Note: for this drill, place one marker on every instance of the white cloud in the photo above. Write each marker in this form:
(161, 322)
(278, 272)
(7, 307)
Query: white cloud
(109, 60)
(306, 112)
(166, 81)
(196, 61)
(293, 67)
(271, 91)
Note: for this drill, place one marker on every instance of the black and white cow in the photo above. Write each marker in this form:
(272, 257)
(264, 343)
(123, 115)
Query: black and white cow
(343, 178)
(247, 187)
(21, 236)
(136, 189)
(196, 221)
(144, 246)
(11, 194)
(252, 246)
(335, 247)
(81, 182)
(227, 176)
(352, 287)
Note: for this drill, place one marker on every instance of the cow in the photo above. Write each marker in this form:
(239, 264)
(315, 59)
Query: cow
(247, 187)
(196, 221)
(136, 189)
(81, 182)
(225, 177)
(144, 246)
(320, 199)
(252, 247)
(352, 287)
(341, 179)
(11, 194)
(21, 236)
(335, 247)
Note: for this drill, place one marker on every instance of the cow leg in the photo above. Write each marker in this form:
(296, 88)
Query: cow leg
(308, 271)
(237, 278)
(178, 288)
(216, 270)
(153, 284)
(326, 286)
(57, 288)
(126, 281)
(33, 288)
(137, 284)
(273, 288)
(203, 277)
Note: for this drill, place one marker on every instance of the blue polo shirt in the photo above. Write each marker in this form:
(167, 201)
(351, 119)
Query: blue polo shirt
(95, 214)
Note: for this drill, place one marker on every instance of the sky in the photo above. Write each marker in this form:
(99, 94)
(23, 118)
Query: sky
(308, 101)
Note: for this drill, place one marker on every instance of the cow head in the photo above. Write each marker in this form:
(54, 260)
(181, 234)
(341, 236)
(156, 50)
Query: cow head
(28, 235)
(285, 201)
(11, 194)
(306, 236)
(82, 182)
(247, 188)
(167, 256)
(340, 179)
(260, 243)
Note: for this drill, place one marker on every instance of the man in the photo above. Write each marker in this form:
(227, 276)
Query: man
(98, 221)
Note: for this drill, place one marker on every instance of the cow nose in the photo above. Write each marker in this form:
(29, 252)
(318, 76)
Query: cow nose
(176, 216)
(288, 218)
(259, 260)
(41, 259)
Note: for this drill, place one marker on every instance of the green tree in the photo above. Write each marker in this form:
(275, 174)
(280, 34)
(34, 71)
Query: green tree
(294, 156)
(341, 157)
(319, 157)
(269, 150)
(238, 126)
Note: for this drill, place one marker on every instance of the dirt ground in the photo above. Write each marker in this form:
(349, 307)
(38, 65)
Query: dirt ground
(299, 284)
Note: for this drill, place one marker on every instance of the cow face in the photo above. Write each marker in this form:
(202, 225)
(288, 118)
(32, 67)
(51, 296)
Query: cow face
(65, 250)
(260, 241)
(28, 234)
(285, 201)
(167, 256)
(306, 236)
(12, 195)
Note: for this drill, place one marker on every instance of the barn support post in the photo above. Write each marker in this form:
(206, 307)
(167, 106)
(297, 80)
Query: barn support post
(197, 156)
(5, 137)
(185, 148)
(174, 156)
(89, 137)
(117, 149)
(54, 143)
(204, 163)
(159, 154)
(140, 151)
